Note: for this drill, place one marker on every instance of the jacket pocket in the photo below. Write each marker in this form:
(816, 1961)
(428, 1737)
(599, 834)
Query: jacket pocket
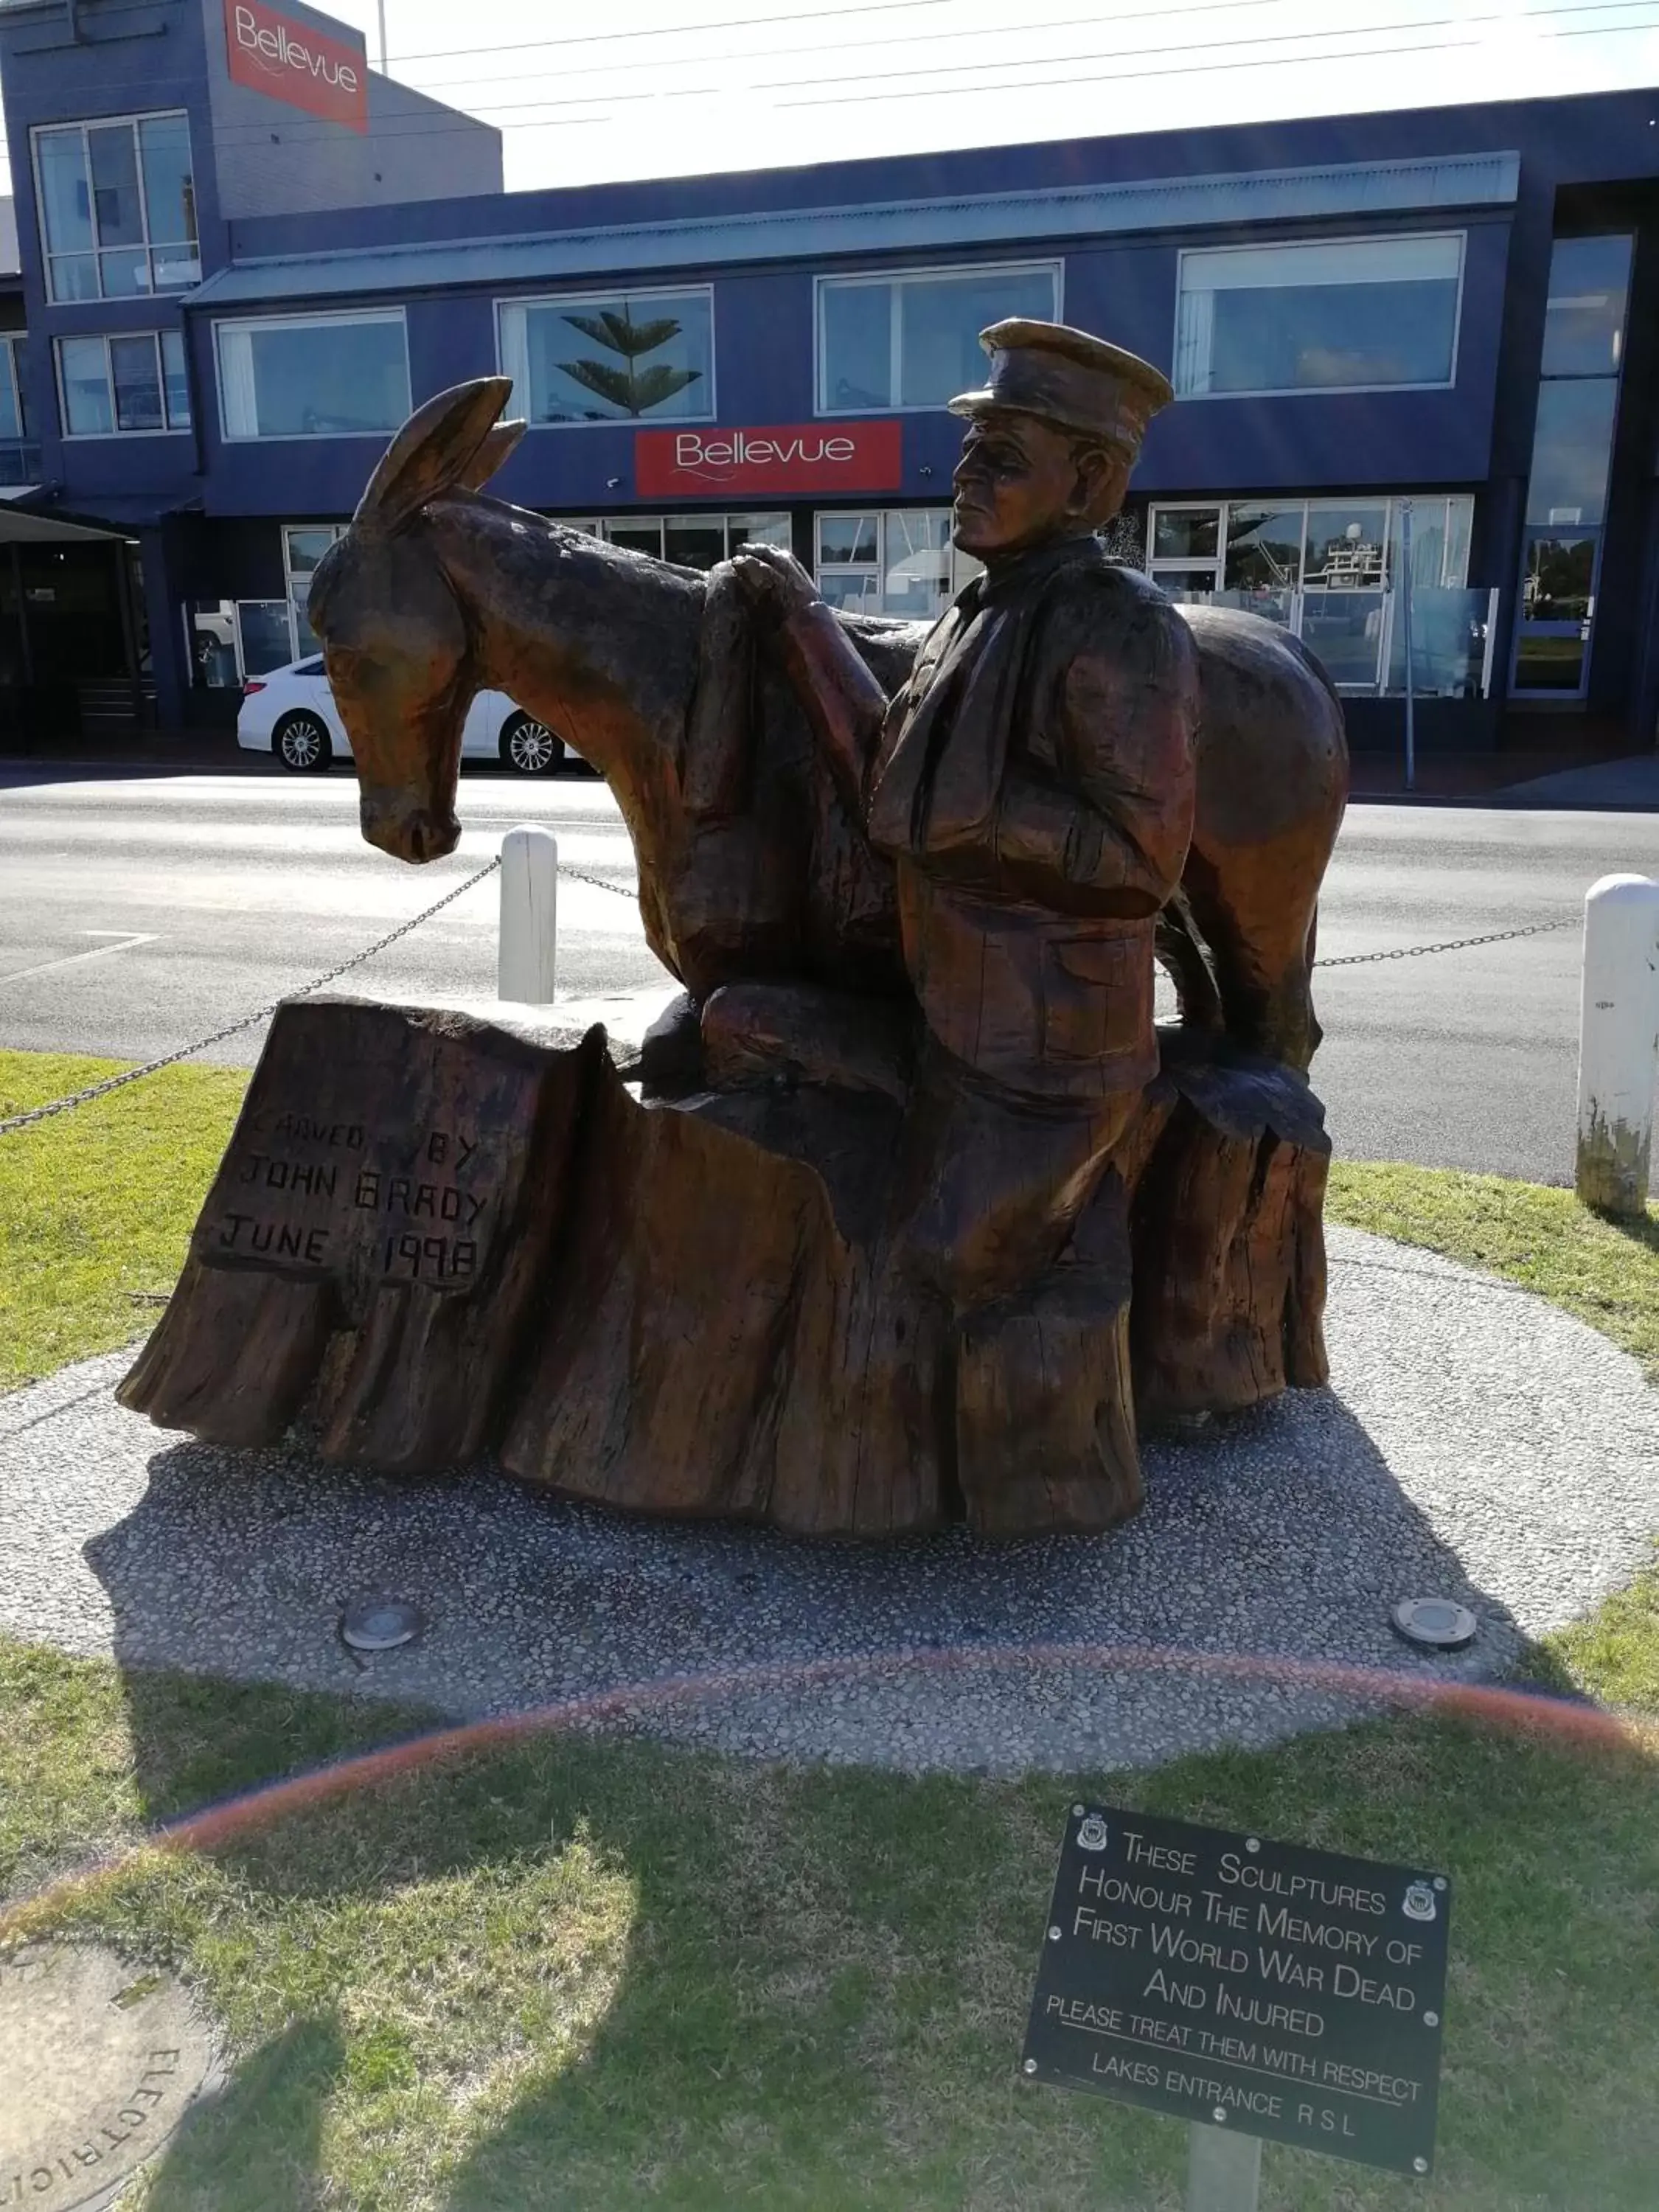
(1097, 996)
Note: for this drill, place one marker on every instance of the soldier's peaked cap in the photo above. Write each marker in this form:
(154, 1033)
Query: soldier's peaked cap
(1069, 379)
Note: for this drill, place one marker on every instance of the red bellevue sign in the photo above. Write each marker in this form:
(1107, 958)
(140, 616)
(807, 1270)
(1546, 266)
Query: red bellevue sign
(789, 456)
(290, 61)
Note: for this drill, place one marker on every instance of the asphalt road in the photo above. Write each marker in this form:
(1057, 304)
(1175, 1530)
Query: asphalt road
(138, 911)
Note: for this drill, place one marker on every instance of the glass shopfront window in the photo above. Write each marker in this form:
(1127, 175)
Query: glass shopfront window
(1355, 314)
(690, 541)
(303, 547)
(912, 341)
(313, 376)
(264, 634)
(898, 561)
(612, 357)
(1186, 533)
(117, 207)
(211, 642)
(1328, 569)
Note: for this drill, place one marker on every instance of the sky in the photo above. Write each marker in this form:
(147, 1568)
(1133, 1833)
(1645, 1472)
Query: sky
(677, 86)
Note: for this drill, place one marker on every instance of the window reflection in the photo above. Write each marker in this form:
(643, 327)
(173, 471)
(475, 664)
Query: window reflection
(1345, 547)
(1583, 324)
(309, 377)
(1318, 315)
(1572, 450)
(899, 562)
(615, 357)
(913, 341)
(1186, 533)
(1560, 580)
(118, 207)
(1264, 547)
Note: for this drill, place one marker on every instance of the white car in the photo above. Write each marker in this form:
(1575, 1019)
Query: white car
(291, 712)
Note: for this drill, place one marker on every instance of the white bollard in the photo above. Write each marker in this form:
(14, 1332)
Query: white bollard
(529, 912)
(1617, 1042)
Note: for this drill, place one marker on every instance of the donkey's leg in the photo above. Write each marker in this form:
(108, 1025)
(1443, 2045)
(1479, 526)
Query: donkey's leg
(1178, 949)
(1258, 932)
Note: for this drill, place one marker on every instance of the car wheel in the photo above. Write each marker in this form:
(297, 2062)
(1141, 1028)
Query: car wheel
(531, 747)
(301, 742)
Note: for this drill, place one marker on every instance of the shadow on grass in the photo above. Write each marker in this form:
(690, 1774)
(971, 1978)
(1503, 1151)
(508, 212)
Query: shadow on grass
(815, 1997)
(258, 2141)
(1641, 1229)
(608, 1974)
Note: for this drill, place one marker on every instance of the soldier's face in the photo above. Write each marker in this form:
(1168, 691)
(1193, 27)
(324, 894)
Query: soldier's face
(1018, 483)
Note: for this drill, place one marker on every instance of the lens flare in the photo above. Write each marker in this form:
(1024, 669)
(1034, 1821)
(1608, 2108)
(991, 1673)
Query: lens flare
(1567, 1722)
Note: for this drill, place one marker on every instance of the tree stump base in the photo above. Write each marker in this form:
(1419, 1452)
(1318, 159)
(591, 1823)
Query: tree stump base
(431, 1238)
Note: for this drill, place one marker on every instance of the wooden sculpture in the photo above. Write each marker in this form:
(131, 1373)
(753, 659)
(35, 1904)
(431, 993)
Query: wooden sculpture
(919, 1215)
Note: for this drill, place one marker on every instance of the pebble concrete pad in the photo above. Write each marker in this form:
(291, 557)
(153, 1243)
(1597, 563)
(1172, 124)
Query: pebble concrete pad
(1476, 1444)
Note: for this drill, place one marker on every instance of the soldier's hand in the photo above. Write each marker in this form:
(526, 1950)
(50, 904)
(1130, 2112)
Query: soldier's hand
(775, 581)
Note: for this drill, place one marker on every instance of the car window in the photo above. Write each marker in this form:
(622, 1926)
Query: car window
(312, 667)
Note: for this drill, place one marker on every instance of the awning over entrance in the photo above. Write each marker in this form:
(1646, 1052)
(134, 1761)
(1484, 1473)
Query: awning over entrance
(34, 515)
(21, 526)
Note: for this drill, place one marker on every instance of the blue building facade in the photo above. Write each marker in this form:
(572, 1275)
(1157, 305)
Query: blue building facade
(1413, 356)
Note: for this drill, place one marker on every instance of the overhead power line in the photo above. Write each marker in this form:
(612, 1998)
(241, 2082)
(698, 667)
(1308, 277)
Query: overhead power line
(1186, 66)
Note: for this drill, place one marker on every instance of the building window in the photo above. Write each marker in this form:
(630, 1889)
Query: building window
(892, 343)
(112, 386)
(19, 457)
(894, 561)
(1328, 570)
(303, 546)
(313, 376)
(1571, 464)
(692, 540)
(1358, 314)
(118, 207)
(615, 357)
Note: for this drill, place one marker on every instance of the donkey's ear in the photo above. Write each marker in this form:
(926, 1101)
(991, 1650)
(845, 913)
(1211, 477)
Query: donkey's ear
(497, 444)
(433, 452)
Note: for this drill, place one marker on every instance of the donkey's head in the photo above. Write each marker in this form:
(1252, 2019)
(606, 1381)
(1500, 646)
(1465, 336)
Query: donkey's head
(398, 645)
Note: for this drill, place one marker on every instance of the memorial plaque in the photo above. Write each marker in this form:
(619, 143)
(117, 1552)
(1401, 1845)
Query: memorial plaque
(1282, 1992)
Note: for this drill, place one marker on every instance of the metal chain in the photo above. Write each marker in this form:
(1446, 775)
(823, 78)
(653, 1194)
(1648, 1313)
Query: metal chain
(622, 891)
(1449, 944)
(247, 1021)
(600, 883)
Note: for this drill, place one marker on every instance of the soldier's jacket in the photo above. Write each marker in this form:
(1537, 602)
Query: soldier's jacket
(1034, 788)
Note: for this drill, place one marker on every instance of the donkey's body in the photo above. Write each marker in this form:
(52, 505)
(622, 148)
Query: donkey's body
(439, 592)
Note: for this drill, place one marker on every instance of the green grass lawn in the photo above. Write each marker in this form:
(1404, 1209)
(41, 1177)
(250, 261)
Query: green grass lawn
(602, 1974)
(96, 1207)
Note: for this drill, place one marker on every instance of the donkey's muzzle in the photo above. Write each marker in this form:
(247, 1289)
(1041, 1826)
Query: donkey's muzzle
(415, 833)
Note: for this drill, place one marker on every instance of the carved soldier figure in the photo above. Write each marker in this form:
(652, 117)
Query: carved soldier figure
(1032, 784)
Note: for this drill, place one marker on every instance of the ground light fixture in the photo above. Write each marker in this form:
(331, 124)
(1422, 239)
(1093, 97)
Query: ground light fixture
(1435, 1624)
(380, 1624)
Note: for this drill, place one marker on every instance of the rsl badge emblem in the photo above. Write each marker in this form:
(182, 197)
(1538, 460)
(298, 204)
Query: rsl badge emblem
(1418, 1903)
(1093, 1834)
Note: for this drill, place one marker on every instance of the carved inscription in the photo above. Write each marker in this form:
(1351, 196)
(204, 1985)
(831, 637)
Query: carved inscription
(305, 1196)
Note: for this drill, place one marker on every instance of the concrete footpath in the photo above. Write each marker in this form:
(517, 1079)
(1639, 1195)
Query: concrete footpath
(1475, 1444)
